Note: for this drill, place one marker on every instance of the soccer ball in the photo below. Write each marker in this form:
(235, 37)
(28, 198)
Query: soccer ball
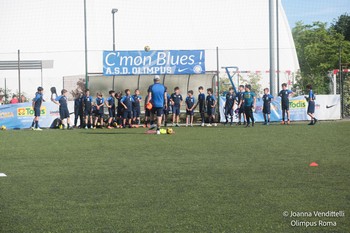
(3, 127)
(169, 131)
(147, 48)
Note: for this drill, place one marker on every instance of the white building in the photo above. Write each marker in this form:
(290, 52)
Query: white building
(54, 30)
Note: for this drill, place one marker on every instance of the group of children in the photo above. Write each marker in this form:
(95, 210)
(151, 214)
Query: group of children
(246, 102)
(125, 110)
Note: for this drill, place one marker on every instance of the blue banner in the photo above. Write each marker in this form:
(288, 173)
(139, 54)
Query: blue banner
(20, 116)
(153, 62)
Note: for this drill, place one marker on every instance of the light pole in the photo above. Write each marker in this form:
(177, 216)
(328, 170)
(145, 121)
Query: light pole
(114, 10)
(272, 47)
(85, 50)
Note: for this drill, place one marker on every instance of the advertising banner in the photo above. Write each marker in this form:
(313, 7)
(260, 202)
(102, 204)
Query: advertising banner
(327, 108)
(153, 62)
(20, 116)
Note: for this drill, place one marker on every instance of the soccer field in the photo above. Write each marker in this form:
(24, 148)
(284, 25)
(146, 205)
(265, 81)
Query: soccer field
(219, 179)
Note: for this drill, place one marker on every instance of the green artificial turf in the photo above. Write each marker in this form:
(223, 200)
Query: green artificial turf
(219, 179)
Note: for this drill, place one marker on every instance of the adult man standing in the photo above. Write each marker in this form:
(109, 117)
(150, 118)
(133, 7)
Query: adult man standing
(157, 95)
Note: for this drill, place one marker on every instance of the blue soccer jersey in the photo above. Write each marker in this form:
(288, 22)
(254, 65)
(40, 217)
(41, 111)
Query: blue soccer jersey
(248, 97)
(87, 100)
(100, 101)
(63, 101)
(201, 101)
(176, 99)
(284, 94)
(267, 98)
(240, 97)
(311, 96)
(210, 101)
(127, 100)
(230, 100)
(189, 102)
(38, 99)
(111, 101)
(157, 91)
(137, 100)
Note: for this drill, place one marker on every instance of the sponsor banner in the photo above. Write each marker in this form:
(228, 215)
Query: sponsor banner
(327, 108)
(153, 62)
(20, 116)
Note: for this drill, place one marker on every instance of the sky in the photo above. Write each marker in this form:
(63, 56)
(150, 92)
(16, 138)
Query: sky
(46, 30)
(309, 11)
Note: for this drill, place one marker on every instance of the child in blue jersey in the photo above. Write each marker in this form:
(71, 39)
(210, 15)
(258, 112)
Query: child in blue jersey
(166, 110)
(189, 108)
(284, 94)
(241, 107)
(62, 101)
(229, 105)
(100, 101)
(136, 107)
(110, 103)
(201, 104)
(127, 101)
(87, 106)
(37, 101)
(311, 105)
(249, 101)
(78, 110)
(176, 102)
(267, 98)
(211, 104)
(120, 109)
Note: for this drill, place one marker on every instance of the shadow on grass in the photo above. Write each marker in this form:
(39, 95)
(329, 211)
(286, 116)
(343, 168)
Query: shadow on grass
(125, 133)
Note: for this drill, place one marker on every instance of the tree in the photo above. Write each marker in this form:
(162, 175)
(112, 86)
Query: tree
(5, 95)
(79, 89)
(254, 80)
(342, 25)
(318, 52)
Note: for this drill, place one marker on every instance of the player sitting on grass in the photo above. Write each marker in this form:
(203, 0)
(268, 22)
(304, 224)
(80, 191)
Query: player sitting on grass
(189, 108)
(248, 102)
(176, 102)
(267, 98)
(201, 104)
(110, 103)
(62, 101)
(241, 108)
(229, 105)
(211, 104)
(136, 108)
(311, 105)
(284, 94)
(127, 101)
(87, 104)
(37, 101)
(99, 109)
